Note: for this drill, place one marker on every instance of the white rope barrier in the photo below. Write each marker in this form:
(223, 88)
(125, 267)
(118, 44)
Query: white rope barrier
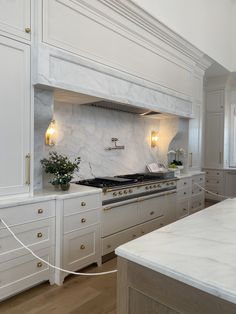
(49, 264)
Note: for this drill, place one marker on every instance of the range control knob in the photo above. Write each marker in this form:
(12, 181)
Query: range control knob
(114, 194)
(120, 193)
(150, 186)
(146, 187)
(130, 191)
(154, 186)
(159, 186)
(125, 192)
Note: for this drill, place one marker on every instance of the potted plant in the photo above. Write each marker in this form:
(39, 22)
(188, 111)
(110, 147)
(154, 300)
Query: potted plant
(61, 168)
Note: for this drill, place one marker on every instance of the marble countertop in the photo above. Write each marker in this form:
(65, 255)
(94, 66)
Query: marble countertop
(49, 194)
(199, 250)
(189, 174)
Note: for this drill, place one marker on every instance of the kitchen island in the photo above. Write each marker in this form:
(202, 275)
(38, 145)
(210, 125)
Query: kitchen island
(186, 267)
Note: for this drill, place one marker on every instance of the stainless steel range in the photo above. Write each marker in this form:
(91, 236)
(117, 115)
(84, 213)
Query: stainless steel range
(127, 187)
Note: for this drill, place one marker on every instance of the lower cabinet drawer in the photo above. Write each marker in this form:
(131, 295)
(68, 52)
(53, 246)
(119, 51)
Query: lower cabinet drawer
(80, 220)
(182, 209)
(183, 193)
(199, 179)
(81, 247)
(197, 203)
(37, 235)
(109, 244)
(27, 213)
(197, 190)
(23, 272)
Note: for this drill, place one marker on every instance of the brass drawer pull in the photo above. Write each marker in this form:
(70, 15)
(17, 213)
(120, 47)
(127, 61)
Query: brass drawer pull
(185, 183)
(108, 246)
(82, 247)
(83, 220)
(107, 208)
(39, 235)
(161, 224)
(152, 213)
(39, 264)
(185, 193)
(134, 236)
(142, 232)
(27, 30)
(40, 211)
(83, 204)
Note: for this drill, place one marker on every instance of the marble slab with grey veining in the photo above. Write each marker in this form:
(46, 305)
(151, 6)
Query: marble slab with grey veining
(199, 250)
(49, 194)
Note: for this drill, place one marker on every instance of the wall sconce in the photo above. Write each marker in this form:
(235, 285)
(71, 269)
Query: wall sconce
(154, 139)
(50, 138)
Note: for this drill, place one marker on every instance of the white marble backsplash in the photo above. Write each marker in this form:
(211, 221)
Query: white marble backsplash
(86, 131)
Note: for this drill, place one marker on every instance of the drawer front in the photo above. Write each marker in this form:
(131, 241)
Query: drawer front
(199, 179)
(151, 225)
(197, 190)
(27, 213)
(183, 193)
(81, 220)
(118, 218)
(214, 174)
(83, 203)
(215, 181)
(197, 203)
(20, 269)
(156, 207)
(183, 183)
(182, 209)
(81, 247)
(36, 235)
(217, 189)
(109, 244)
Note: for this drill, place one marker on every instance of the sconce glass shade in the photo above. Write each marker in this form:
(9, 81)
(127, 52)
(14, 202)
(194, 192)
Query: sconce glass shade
(154, 139)
(50, 138)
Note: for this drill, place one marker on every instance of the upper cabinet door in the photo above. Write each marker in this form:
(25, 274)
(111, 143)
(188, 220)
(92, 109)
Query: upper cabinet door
(14, 117)
(214, 140)
(15, 17)
(195, 133)
(215, 101)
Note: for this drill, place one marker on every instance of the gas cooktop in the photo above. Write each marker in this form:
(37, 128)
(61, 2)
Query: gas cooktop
(125, 180)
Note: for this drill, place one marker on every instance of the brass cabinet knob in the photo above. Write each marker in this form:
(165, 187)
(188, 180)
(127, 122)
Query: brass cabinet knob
(134, 236)
(39, 235)
(40, 211)
(108, 246)
(82, 247)
(83, 204)
(39, 264)
(152, 213)
(142, 232)
(83, 220)
(185, 183)
(185, 193)
(27, 30)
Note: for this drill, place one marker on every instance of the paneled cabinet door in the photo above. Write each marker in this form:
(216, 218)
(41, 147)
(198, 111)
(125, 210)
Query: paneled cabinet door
(214, 140)
(14, 117)
(15, 17)
(195, 134)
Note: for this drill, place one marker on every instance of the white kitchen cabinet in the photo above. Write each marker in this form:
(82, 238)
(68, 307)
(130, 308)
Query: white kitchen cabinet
(230, 183)
(214, 138)
(77, 233)
(232, 160)
(15, 18)
(15, 117)
(215, 184)
(34, 224)
(215, 101)
(195, 142)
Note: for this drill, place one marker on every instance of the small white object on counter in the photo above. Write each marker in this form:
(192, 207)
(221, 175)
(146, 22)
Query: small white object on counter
(199, 250)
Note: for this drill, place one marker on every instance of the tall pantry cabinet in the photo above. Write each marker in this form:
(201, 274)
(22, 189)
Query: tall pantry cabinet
(15, 96)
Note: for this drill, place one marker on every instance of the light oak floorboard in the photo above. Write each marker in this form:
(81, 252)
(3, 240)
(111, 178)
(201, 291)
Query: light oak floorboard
(78, 295)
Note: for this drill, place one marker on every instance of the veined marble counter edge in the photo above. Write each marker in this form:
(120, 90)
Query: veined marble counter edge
(49, 194)
(131, 252)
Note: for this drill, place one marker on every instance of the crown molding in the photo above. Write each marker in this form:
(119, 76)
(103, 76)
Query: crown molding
(131, 11)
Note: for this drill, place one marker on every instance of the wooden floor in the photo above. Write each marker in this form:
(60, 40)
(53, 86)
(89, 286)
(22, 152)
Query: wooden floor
(78, 295)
